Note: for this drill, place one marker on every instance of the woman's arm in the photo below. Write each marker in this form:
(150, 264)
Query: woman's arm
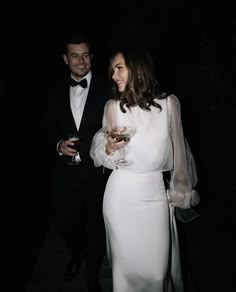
(184, 174)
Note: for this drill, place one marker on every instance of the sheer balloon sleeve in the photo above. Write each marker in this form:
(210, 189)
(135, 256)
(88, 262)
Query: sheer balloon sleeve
(97, 150)
(183, 177)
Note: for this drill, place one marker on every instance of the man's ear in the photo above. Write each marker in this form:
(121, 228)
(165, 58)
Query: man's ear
(65, 59)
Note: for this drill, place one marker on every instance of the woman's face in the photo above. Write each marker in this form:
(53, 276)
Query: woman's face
(120, 72)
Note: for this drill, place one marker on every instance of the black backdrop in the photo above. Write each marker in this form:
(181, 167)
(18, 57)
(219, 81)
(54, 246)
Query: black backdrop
(194, 48)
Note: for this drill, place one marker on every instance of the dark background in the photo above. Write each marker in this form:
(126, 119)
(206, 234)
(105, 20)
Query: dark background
(194, 47)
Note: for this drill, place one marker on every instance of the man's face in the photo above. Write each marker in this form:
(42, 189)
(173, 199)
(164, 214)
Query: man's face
(79, 59)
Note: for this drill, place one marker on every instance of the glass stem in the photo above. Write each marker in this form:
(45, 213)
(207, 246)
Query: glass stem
(122, 153)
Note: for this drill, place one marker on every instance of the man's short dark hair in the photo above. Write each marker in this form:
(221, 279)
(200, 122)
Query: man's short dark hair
(76, 38)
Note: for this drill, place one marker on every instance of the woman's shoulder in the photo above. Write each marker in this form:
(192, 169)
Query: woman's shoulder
(173, 104)
(111, 103)
(172, 97)
(164, 96)
(110, 106)
(173, 101)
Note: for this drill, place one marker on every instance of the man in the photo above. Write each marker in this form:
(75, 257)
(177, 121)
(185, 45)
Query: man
(78, 189)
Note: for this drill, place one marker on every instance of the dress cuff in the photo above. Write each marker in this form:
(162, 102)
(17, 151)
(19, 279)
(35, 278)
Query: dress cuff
(185, 200)
(183, 203)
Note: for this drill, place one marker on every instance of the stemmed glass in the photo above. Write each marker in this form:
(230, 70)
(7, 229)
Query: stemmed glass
(123, 133)
(74, 137)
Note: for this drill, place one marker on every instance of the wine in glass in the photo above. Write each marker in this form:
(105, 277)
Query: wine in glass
(74, 137)
(123, 133)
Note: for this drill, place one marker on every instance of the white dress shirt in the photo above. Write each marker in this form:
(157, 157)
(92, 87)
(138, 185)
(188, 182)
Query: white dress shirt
(78, 97)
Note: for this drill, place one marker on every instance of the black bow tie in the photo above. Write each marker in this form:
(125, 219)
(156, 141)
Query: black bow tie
(82, 83)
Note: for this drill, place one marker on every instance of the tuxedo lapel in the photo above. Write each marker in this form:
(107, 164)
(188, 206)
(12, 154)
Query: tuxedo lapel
(68, 112)
(91, 105)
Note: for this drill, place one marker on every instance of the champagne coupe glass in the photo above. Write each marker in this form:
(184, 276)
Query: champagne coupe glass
(74, 137)
(126, 133)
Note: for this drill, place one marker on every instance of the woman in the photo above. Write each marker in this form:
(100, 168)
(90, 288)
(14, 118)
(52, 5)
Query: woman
(142, 242)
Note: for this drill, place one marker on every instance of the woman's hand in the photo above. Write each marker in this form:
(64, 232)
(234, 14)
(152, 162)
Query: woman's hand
(115, 141)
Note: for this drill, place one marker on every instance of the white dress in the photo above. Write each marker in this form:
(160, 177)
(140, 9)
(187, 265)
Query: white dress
(142, 241)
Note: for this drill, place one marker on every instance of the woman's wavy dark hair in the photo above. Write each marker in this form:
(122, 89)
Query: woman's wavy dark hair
(141, 78)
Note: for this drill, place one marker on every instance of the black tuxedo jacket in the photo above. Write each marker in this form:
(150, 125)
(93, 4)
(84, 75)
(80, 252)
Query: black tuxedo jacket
(60, 121)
